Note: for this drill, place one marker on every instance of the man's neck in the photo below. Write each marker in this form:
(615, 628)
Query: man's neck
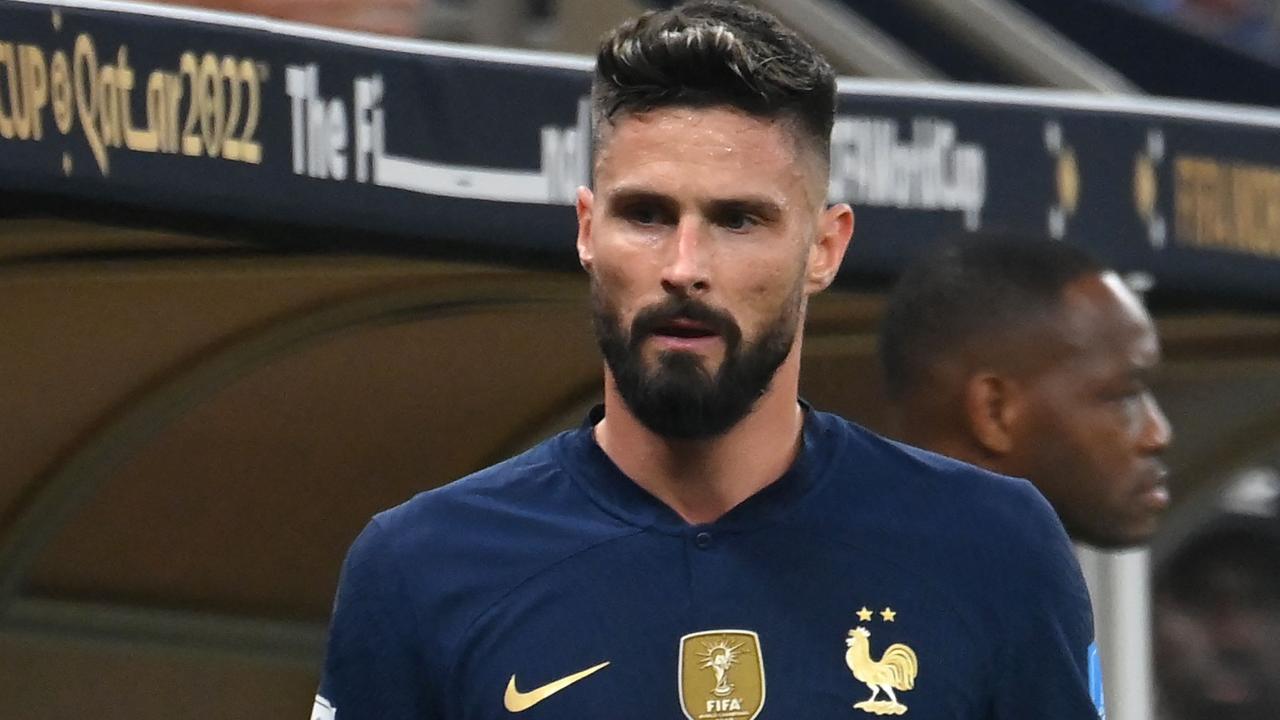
(703, 479)
(921, 431)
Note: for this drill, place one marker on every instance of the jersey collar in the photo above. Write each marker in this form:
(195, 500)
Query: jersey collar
(620, 496)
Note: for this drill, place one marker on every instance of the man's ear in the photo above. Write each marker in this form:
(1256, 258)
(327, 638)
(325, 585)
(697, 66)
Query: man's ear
(835, 227)
(586, 245)
(993, 406)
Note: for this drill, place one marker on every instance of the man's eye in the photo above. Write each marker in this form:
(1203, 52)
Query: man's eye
(1127, 390)
(738, 221)
(642, 215)
(1126, 395)
(1132, 402)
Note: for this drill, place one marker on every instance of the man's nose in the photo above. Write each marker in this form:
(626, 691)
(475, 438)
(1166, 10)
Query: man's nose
(686, 271)
(1157, 432)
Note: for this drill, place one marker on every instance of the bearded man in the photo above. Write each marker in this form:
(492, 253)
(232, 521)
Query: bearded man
(705, 536)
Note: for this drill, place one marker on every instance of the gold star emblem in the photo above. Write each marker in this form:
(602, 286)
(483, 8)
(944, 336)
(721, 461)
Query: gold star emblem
(888, 614)
(864, 614)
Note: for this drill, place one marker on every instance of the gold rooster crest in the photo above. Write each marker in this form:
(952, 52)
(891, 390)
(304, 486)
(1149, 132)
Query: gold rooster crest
(895, 670)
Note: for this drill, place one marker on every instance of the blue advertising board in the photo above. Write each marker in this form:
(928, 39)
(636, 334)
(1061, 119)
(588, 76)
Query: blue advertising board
(437, 148)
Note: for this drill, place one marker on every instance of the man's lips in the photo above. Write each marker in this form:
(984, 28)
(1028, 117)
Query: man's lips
(1155, 493)
(685, 335)
(685, 329)
(1156, 498)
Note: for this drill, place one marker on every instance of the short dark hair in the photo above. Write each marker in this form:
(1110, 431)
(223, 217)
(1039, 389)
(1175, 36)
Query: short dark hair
(1251, 542)
(967, 289)
(714, 53)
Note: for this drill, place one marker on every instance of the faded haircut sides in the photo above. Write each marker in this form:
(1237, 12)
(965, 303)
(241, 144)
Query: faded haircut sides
(714, 54)
(968, 292)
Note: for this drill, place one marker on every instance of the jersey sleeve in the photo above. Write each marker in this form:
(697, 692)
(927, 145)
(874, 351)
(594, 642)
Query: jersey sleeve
(374, 667)
(1043, 671)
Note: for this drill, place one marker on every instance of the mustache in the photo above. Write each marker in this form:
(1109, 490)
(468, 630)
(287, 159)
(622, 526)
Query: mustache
(648, 320)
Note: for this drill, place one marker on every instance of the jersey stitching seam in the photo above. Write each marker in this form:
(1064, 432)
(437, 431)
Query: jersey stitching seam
(584, 488)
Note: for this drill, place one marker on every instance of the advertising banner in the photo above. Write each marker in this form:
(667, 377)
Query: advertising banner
(441, 147)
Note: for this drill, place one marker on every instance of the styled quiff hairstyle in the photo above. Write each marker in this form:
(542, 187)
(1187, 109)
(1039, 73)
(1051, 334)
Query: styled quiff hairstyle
(712, 54)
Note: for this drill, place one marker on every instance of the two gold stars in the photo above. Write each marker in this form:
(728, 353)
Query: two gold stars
(887, 614)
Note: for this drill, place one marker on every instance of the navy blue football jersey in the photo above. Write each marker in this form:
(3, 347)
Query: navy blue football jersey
(871, 579)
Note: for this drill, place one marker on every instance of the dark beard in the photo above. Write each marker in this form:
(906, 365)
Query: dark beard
(680, 399)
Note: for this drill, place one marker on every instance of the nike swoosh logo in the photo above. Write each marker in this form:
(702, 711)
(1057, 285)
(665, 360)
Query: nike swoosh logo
(516, 701)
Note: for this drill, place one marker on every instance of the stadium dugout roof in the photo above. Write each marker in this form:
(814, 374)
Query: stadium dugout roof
(259, 280)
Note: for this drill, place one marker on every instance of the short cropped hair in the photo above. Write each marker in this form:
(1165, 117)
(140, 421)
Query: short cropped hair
(1248, 542)
(714, 54)
(968, 291)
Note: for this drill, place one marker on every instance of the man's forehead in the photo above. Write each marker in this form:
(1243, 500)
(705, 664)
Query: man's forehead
(715, 133)
(1101, 303)
(1101, 322)
(1098, 327)
(725, 122)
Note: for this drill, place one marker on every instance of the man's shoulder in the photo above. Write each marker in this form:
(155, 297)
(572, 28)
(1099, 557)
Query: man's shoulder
(934, 492)
(919, 470)
(521, 478)
(527, 497)
(455, 550)
(498, 526)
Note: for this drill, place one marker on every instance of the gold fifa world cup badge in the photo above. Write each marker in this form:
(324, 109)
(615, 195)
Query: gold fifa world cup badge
(895, 670)
(721, 675)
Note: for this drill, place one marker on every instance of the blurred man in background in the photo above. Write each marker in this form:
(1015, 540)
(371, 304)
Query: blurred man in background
(1217, 615)
(1030, 359)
